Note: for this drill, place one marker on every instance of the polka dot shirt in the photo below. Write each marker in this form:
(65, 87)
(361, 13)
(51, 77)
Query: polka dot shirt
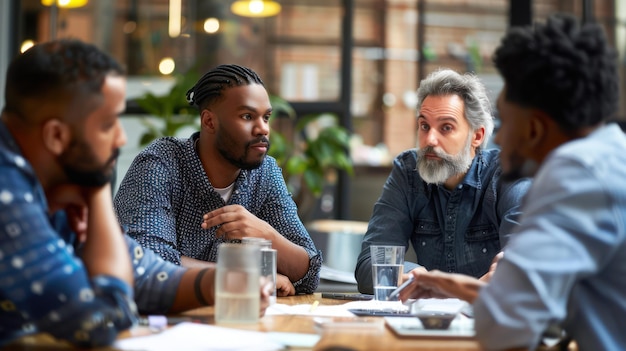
(165, 193)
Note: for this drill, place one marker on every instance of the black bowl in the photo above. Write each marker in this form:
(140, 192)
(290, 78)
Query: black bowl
(436, 319)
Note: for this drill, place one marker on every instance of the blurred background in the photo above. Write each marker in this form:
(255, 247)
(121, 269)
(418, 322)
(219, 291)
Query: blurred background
(352, 64)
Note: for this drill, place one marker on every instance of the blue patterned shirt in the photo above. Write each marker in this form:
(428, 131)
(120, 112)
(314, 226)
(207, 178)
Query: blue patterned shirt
(44, 286)
(165, 193)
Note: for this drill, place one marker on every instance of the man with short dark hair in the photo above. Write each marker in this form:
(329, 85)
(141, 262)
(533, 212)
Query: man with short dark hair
(66, 268)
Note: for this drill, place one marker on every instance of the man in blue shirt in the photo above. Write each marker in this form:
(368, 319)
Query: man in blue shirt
(567, 261)
(182, 198)
(65, 267)
(446, 197)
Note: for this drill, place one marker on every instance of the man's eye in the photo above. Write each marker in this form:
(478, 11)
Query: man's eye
(424, 126)
(247, 117)
(266, 118)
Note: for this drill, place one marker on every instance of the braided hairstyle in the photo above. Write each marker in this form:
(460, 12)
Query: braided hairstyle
(56, 70)
(565, 69)
(211, 85)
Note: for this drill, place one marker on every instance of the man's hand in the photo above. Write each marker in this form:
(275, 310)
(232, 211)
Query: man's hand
(266, 288)
(72, 199)
(437, 284)
(492, 269)
(236, 222)
(284, 286)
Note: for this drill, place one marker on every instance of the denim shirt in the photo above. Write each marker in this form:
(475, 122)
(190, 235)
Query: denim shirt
(458, 230)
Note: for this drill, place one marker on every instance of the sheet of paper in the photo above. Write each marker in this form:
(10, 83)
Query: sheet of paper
(447, 305)
(332, 310)
(203, 337)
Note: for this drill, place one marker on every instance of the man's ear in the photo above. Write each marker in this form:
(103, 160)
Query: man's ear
(478, 137)
(537, 128)
(56, 136)
(208, 120)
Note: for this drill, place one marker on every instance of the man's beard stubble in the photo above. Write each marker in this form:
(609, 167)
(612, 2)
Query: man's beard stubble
(242, 162)
(80, 171)
(438, 171)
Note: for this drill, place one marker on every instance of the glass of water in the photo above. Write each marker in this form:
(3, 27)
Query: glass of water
(387, 268)
(237, 286)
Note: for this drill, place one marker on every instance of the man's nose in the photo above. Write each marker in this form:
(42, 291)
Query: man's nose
(432, 138)
(261, 127)
(121, 137)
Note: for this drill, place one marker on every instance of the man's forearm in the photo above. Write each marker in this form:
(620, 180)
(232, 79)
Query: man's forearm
(189, 262)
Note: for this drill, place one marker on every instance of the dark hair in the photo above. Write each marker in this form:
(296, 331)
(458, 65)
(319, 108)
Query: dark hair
(211, 85)
(56, 69)
(563, 68)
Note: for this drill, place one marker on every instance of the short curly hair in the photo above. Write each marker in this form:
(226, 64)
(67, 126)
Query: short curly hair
(566, 69)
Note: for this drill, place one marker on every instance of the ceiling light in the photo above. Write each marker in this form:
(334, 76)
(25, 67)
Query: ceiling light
(255, 8)
(66, 4)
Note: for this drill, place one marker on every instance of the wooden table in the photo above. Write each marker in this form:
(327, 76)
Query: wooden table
(331, 340)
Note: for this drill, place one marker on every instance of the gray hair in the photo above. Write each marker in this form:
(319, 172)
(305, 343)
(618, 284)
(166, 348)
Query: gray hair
(466, 86)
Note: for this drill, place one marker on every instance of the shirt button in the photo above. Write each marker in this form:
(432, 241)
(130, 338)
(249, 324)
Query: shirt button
(423, 243)
(449, 237)
(449, 254)
(484, 250)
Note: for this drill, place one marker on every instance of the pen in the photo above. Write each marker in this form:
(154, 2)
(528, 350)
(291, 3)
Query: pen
(163, 321)
(396, 292)
(314, 306)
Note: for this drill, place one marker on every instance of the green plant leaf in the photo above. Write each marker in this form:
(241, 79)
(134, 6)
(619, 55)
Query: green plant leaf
(314, 181)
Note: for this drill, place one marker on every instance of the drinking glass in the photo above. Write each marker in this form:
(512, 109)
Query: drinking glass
(387, 267)
(237, 285)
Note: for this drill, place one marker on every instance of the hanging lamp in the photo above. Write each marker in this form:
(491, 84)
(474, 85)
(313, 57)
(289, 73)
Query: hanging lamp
(255, 8)
(65, 4)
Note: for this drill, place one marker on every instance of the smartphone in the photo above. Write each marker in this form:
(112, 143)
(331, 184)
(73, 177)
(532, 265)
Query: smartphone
(347, 296)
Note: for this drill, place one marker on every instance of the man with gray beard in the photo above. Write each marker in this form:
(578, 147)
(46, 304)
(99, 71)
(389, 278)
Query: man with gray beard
(445, 197)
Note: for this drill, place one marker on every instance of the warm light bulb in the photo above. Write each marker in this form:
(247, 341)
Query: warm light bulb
(211, 25)
(256, 6)
(167, 65)
(27, 44)
(65, 3)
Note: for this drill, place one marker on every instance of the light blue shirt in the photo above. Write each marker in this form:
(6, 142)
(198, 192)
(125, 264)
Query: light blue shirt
(458, 230)
(567, 263)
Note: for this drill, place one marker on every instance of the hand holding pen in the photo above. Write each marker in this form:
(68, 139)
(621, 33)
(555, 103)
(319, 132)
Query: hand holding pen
(437, 284)
(394, 294)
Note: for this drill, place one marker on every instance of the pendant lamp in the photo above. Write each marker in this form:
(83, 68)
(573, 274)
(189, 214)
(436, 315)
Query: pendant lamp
(255, 8)
(65, 4)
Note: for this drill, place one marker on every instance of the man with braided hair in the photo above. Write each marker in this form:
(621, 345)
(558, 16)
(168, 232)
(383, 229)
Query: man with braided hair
(184, 197)
(567, 261)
